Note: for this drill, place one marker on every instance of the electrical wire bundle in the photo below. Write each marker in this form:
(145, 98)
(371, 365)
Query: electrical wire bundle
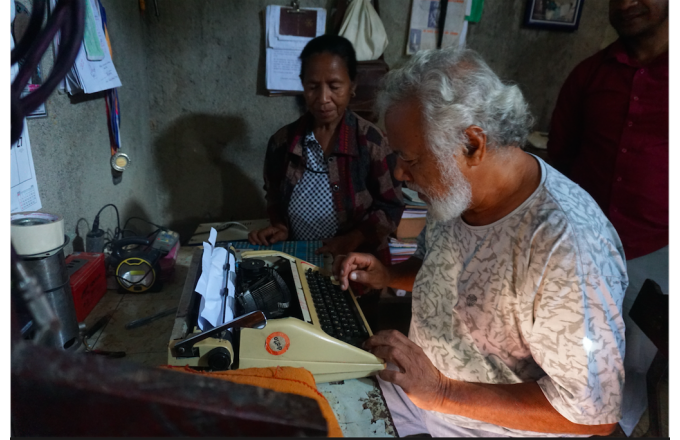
(99, 240)
(68, 18)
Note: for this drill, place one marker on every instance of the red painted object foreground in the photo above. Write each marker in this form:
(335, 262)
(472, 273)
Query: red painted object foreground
(55, 393)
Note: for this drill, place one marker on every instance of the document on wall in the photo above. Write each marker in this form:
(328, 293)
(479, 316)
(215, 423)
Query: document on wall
(96, 73)
(283, 70)
(455, 25)
(424, 28)
(287, 33)
(24, 195)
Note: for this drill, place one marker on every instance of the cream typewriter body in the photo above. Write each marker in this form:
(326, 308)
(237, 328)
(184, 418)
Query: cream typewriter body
(321, 327)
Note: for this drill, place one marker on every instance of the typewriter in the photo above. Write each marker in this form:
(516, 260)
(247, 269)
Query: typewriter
(310, 321)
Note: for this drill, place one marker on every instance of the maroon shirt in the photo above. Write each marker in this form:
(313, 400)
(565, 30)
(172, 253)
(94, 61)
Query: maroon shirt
(609, 134)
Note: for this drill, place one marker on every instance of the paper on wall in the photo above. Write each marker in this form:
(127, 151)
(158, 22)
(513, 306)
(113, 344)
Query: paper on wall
(455, 26)
(276, 40)
(24, 195)
(283, 51)
(96, 76)
(424, 28)
(283, 70)
(89, 76)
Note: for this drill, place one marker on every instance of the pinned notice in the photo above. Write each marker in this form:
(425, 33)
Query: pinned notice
(288, 32)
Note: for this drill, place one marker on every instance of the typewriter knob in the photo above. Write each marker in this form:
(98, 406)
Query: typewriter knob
(219, 359)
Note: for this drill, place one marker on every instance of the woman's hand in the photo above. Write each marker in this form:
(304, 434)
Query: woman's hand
(342, 244)
(269, 235)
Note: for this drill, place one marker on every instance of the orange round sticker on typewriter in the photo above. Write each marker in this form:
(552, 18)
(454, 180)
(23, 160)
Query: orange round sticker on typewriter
(277, 343)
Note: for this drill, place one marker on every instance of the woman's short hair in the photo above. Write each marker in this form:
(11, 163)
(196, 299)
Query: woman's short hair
(335, 45)
(457, 89)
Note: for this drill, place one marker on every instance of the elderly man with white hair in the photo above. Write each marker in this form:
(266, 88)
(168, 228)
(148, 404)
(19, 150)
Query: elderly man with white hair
(518, 278)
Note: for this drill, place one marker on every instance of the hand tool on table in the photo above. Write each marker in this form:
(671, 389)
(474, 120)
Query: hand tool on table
(88, 333)
(143, 321)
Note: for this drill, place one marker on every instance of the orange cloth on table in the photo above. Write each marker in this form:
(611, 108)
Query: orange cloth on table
(282, 379)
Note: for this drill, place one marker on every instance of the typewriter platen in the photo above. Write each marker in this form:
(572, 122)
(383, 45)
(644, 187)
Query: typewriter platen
(311, 322)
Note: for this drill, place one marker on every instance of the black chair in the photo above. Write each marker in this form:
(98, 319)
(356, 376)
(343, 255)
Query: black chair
(650, 313)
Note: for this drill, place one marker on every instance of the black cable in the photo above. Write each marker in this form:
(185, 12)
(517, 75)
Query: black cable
(95, 224)
(68, 18)
(122, 232)
(34, 26)
(162, 228)
(135, 282)
(78, 223)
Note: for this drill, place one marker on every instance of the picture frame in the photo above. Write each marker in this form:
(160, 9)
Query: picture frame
(562, 15)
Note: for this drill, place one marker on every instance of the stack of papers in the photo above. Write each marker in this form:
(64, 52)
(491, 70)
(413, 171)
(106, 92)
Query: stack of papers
(287, 34)
(411, 197)
(401, 250)
(415, 207)
(93, 70)
(216, 285)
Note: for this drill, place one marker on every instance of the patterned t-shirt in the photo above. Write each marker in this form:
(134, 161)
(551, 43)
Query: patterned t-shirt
(311, 210)
(535, 296)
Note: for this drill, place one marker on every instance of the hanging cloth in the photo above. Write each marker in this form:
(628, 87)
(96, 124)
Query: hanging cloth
(363, 27)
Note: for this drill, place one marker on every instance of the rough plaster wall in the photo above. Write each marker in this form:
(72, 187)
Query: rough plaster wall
(196, 122)
(209, 120)
(71, 146)
(537, 60)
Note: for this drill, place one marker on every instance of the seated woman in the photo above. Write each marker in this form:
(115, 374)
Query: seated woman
(328, 175)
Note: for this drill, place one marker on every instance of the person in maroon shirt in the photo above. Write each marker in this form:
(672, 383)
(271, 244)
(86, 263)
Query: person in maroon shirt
(609, 134)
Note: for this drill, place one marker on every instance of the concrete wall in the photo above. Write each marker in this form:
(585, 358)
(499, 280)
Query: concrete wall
(195, 120)
(209, 118)
(71, 146)
(537, 60)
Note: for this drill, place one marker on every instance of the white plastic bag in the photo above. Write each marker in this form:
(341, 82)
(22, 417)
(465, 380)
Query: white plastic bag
(363, 27)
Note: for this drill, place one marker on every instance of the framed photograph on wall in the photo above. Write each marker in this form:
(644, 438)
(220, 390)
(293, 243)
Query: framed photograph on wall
(553, 14)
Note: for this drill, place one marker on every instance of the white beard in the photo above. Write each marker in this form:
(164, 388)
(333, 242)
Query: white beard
(452, 204)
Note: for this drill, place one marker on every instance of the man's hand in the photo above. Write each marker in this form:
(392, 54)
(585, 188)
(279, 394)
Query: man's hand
(269, 235)
(417, 376)
(342, 244)
(516, 406)
(364, 269)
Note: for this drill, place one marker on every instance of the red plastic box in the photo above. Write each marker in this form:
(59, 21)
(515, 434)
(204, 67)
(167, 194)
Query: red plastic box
(87, 280)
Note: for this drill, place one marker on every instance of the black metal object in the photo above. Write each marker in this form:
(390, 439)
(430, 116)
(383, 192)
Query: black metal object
(219, 359)
(101, 322)
(269, 294)
(186, 346)
(53, 278)
(650, 313)
(31, 304)
(336, 310)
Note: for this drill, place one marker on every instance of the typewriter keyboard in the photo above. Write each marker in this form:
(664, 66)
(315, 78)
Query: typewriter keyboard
(337, 312)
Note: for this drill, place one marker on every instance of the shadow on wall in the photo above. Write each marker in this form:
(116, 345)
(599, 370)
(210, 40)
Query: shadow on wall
(134, 227)
(200, 182)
